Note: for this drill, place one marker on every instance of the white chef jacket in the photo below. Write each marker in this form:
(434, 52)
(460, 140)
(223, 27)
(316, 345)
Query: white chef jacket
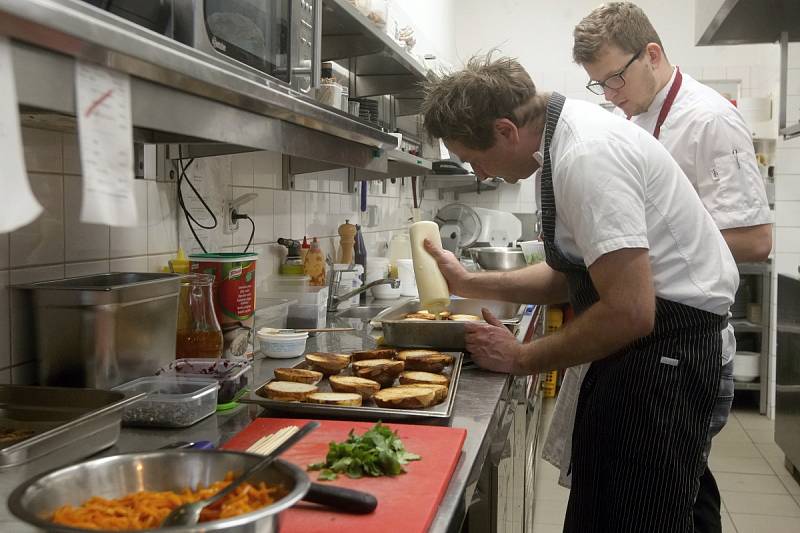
(709, 139)
(617, 187)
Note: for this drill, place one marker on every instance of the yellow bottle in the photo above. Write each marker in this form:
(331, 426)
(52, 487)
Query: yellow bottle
(179, 265)
(434, 294)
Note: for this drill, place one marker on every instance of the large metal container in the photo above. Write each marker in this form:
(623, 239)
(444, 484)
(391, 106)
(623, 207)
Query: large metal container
(118, 475)
(498, 258)
(71, 422)
(103, 330)
(439, 334)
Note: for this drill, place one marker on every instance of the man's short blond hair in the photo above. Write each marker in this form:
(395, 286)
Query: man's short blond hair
(464, 105)
(622, 24)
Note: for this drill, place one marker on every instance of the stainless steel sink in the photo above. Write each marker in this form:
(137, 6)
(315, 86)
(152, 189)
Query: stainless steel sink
(363, 312)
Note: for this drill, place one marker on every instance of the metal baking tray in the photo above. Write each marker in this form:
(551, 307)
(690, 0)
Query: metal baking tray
(369, 410)
(79, 422)
(439, 334)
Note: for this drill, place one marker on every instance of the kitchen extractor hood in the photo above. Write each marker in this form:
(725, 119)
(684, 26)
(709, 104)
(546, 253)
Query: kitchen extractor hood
(746, 21)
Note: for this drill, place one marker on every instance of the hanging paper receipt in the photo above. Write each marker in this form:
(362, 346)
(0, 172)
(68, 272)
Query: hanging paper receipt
(18, 205)
(105, 131)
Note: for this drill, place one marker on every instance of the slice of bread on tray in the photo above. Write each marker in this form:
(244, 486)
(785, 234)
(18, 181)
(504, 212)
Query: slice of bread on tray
(404, 398)
(290, 391)
(423, 377)
(349, 399)
(328, 363)
(363, 386)
(299, 375)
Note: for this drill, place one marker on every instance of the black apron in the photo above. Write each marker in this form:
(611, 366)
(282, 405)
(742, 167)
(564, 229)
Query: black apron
(643, 413)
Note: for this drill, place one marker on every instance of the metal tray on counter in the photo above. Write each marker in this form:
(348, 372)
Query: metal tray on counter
(47, 419)
(439, 334)
(369, 410)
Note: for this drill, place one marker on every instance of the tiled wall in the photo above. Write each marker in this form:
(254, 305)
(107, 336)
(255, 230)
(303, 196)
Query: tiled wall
(59, 245)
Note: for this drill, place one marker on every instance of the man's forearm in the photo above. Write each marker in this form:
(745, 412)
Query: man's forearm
(749, 244)
(537, 284)
(597, 333)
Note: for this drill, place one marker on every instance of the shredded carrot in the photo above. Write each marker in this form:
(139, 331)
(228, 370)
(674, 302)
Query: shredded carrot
(147, 509)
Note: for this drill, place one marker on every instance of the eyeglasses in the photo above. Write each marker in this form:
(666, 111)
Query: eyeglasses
(615, 81)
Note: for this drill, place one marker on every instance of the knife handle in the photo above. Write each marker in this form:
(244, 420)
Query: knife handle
(341, 499)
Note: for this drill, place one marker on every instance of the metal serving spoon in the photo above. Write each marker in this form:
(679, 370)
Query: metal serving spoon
(189, 513)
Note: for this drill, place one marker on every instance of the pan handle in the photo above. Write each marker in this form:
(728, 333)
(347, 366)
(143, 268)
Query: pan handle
(342, 499)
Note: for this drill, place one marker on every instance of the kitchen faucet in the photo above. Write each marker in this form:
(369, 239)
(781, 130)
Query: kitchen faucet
(335, 278)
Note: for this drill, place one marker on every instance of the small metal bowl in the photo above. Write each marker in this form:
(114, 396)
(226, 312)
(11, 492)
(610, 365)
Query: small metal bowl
(498, 258)
(118, 475)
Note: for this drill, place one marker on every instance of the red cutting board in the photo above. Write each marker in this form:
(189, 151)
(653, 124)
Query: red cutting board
(410, 499)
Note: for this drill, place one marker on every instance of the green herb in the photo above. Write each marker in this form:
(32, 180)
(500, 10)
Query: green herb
(378, 452)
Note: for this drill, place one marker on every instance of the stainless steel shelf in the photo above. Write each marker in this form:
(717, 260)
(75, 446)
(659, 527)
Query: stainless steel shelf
(459, 183)
(754, 268)
(178, 94)
(790, 132)
(400, 165)
(747, 385)
(745, 326)
(380, 65)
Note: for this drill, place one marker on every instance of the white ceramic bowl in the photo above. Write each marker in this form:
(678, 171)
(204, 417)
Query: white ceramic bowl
(282, 345)
(746, 366)
(385, 292)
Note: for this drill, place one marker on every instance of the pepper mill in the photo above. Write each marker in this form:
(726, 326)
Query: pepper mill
(347, 238)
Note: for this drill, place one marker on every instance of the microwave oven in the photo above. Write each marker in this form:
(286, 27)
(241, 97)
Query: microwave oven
(276, 38)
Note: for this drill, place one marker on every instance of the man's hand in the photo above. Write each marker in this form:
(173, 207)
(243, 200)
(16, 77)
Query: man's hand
(456, 275)
(493, 347)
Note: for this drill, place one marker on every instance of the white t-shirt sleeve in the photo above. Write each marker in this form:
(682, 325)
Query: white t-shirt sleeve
(728, 180)
(600, 195)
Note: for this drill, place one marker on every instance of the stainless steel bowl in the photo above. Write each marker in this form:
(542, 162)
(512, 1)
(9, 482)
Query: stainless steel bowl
(118, 475)
(498, 258)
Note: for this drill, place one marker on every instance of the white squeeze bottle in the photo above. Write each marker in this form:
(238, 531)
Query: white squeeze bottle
(433, 292)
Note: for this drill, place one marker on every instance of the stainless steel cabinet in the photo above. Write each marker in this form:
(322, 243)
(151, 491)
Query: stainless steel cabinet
(787, 371)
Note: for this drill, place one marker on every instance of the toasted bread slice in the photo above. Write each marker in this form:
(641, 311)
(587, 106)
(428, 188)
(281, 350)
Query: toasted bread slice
(363, 386)
(328, 363)
(439, 391)
(404, 397)
(350, 399)
(428, 363)
(379, 353)
(406, 354)
(288, 390)
(299, 375)
(421, 315)
(384, 371)
(423, 377)
(465, 318)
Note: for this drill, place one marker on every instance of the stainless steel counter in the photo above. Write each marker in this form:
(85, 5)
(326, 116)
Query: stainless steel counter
(481, 405)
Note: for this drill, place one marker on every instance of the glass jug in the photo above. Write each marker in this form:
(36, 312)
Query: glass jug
(199, 334)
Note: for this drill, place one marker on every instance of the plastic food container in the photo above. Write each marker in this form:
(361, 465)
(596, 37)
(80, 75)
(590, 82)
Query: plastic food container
(533, 251)
(282, 345)
(272, 312)
(232, 376)
(170, 402)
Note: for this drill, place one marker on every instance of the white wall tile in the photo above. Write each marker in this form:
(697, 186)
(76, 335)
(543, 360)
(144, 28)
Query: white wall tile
(787, 263)
(5, 321)
(125, 242)
(242, 169)
(793, 81)
(282, 210)
(788, 239)
(318, 220)
(787, 214)
(128, 264)
(787, 187)
(264, 215)
(242, 235)
(42, 241)
(162, 227)
(4, 244)
(24, 374)
(72, 154)
(82, 241)
(298, 214)
(42, 150)
(267, 169)
(787, 160)
(713, 72)
(23, 342)
(157, 263)
(88, 268)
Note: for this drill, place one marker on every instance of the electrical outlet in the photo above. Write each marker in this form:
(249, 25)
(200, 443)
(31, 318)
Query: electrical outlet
(229, 225)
